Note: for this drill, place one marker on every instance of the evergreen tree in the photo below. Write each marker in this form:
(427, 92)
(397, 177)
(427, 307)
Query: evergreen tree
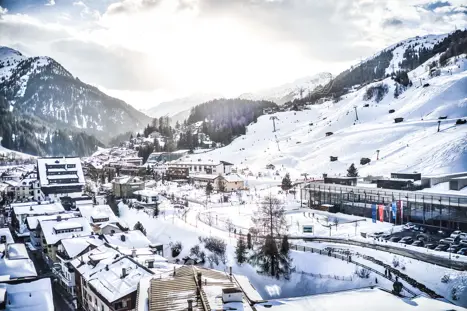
(248, 241)
(113, 204)
(285, 261)
(352, 171)
(131, 137)
(138, 135)
(156, 210)
(241, 251)
(286, 182)
(209, 189)
(139, 226)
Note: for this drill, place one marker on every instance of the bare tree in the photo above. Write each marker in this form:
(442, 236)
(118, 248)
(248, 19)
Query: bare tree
(229, 225)
(209, 219)
(270, 217)
(335, 221)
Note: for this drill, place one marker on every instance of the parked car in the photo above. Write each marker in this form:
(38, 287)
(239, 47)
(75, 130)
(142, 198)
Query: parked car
(431, 246)
(418, 243)
(423, 237)
(462, 251)
(416, 228)
(408, 226)
(452, 249)
(446, 241)
(441, 247)
(455, 234)
(386, 236)
(463, 243)
(463, 236)
(394, 239)
(406, 240)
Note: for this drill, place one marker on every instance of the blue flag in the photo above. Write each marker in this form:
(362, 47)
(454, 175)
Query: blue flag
(373, 212)
(394, 210)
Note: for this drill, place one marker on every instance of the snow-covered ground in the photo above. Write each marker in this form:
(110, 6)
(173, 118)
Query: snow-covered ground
(314, 273)
(300, 144)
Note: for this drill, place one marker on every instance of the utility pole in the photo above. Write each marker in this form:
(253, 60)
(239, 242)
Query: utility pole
(377, 155)
(356, 115)
(439, 123)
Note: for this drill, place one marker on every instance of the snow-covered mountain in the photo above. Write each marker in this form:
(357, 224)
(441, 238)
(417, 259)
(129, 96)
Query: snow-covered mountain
(41, 87)
(289, 91)
(305, 140)
(176, 106)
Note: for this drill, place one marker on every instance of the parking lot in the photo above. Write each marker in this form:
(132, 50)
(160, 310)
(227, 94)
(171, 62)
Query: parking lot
(428, 237)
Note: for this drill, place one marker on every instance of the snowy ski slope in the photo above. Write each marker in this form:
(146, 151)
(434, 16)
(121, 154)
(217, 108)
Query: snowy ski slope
(413, 145)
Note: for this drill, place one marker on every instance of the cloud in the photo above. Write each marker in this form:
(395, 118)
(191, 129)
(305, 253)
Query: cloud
(435, 5)
(3, 10)
(50, 3)
(182, 46)
(392, 22)
(130, 6)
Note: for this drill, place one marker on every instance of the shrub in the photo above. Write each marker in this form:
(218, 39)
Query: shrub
(376, 91)
(364, 161)
(395, 262)
(445, 278)
(176, 248)
(363, 273)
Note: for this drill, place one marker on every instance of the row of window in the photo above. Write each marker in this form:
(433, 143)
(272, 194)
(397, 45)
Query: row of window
(68, 230)
(52, 166)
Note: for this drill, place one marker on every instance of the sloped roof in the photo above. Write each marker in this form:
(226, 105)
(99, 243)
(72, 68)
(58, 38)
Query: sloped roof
(48, 228)
(27, 296)
(133, 239)
(91, 213)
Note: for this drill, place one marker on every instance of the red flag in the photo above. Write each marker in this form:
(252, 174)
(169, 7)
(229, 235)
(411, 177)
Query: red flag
(381, 212)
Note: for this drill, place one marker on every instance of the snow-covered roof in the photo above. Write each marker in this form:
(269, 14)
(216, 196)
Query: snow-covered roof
(233, 178)
(111, 283)
(75, 246)
(27, 296)
(147, 192)
(49, 229)
(42, 164)
(132, 239)
(355, 300)
(17, 251)
(16, 268)
(204, 176)
(38, 209)
(7, 233)
(127, 179)
(93, 213)
(205, 163)
(33, 221)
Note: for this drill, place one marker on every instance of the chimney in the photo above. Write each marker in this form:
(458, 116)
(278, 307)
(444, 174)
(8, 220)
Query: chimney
(200, 283)
(106, 267)
(30, 208)
(325, 175)
(190, 304)
(133, 253)
(123, 273)
(59, 218)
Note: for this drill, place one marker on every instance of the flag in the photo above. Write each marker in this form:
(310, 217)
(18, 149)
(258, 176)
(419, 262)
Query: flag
(373, 212)
(381, 212)
(402, 210)
(394, 210)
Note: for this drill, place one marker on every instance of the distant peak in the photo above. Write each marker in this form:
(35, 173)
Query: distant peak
(4, 51)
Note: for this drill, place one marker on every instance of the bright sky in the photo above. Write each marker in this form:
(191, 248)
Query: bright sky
(148, 51)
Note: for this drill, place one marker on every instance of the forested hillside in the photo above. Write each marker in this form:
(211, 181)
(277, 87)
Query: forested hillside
(29, 135)
(227, 118)
(415, 52)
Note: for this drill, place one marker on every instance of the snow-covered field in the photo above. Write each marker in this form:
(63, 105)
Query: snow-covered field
(300, 145)
(314, 273)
